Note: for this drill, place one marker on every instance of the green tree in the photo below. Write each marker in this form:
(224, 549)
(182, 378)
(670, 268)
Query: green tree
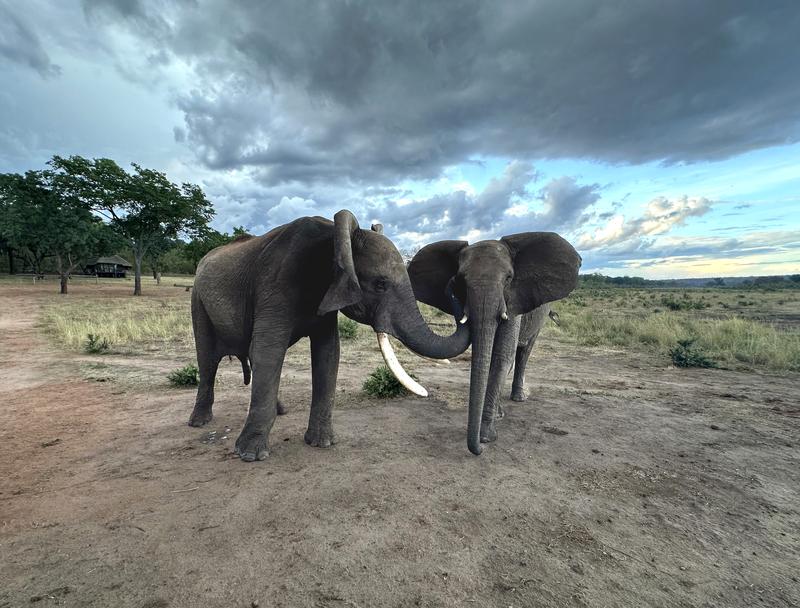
(50, 223)
(211, 239)
(10, 225)
(144, 207)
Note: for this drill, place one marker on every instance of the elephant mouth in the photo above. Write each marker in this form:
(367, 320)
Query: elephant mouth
(394, 366)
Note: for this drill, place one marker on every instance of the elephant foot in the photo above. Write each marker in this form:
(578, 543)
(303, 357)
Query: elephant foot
(200, 416)
(322, 437)
(519, 394)
(251, 445)
(488, 432)
(281, 408)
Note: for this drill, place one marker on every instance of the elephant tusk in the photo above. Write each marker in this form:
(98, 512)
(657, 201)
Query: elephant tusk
(504, 316)
(394, 365)
(463, 319)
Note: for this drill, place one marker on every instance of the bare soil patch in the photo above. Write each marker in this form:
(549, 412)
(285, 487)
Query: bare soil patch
(621, 482)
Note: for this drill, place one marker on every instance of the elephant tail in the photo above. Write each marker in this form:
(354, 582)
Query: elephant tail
(245, 369)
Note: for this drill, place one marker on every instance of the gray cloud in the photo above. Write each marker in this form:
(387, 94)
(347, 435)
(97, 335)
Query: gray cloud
(669, 251)
(379, 91)
(565, 203)
(20, 44)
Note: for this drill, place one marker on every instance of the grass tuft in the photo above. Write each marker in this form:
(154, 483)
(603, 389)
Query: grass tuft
(185, 376)
(382, 383)
(686, 354)
(348, 329)
(95, 345)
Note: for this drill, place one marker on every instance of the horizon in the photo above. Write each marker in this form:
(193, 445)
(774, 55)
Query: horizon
(662, 141)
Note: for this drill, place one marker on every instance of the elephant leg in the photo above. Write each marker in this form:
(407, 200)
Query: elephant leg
(324, 371)
(518, 392)
(207, 364)
(267, 353)
(502, 357)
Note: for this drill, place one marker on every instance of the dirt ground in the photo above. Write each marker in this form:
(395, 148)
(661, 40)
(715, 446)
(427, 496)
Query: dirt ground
(621, 482)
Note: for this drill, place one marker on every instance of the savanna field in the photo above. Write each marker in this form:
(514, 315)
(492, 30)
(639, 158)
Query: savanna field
(737, 328)
(655, 462)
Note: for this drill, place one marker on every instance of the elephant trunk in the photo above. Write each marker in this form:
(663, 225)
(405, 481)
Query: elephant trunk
(412, 330)
(484, 327)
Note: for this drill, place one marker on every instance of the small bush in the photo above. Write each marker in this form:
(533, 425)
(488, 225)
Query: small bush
(185, 376)
(382, 383)
(348, 329)
(96, 345)
(686, 354)
(686, 304)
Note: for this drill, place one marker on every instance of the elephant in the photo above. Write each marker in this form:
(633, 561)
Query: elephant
(255, 297)
(498, 287)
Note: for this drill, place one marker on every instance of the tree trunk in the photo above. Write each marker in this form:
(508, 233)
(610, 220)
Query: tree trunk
(137, 274)
(158, 278)
(11, 268)
(64, 282)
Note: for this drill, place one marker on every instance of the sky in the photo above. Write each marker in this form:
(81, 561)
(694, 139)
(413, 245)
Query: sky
(662, 139)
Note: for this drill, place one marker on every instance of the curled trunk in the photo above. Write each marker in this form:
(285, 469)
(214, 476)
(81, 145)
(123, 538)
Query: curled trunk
(417, 336)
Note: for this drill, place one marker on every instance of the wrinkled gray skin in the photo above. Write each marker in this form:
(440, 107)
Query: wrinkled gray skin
(491, 280)
(256, 297)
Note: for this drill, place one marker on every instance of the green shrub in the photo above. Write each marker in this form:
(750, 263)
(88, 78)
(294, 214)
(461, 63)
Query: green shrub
(382, 383)
(185, 376)
(686, 354)
(348, 329)
(95, 345)
(686, 304)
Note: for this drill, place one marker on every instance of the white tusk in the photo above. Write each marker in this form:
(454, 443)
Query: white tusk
(463, 319)
(394, 365)
(445, 361)
(504, 316)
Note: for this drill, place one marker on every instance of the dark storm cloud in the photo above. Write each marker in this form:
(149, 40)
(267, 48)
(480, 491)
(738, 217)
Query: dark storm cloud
(20, 44)
(380, 91)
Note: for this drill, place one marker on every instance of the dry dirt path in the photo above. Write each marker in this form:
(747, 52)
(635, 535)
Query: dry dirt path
(621, 483)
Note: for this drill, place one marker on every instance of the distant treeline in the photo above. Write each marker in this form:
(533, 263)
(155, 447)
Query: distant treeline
(775, 282)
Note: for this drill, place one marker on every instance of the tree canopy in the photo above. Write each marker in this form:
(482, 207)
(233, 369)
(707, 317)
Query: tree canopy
(143, 207)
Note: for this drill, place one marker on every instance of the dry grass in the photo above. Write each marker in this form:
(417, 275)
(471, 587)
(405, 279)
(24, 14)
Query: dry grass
(740, 328)
(636, 320)
(124, 322)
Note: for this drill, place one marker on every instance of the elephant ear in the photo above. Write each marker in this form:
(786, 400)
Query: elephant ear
(345, 289)
(431, 269)
(545, 269)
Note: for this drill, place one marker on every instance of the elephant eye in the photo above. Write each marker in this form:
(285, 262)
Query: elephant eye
(381, 284)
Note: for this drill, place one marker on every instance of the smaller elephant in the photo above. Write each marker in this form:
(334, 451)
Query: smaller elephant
(530, 326)
(503, 290)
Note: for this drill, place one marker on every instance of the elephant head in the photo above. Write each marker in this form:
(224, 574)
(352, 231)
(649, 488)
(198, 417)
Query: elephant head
(491, 281)
(371, 285)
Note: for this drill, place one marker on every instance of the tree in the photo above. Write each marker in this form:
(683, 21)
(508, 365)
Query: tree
(47, 222)
(156, 252)
(10, 227)
(143, 207)
(211, 239)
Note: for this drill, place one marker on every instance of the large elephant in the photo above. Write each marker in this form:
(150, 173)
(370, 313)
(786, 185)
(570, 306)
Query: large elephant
(499, 285)
(255, 297)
